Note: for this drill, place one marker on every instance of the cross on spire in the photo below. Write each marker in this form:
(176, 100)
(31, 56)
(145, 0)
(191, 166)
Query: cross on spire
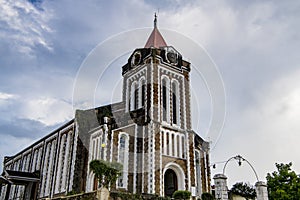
(155, 20)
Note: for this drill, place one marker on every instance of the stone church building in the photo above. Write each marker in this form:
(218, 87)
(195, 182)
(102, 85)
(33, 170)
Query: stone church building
(149, 132)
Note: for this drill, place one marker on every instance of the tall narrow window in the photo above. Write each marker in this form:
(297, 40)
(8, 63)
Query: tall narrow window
(164, 99)
(143, 93)
(163, 141)
(178, 146)
(198, 173)
(175, 103)
(133, 96)
(136, 98)
(183, 147)
(173, 145)
(123, 158)
(167, 144)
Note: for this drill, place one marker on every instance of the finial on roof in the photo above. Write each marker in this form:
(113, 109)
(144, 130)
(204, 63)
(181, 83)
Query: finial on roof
(155, 20)
(155, 39)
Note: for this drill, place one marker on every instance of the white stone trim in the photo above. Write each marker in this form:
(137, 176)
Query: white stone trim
(161, 140)
(187, 153)
(184, 104)
(72, 168)
(205, 169)
(153, 158)
(179, 173)
(111, 146)
(134, 77)
(126, 159)
(168, 147)
(135, 160)
(143, 161)
(127, 95)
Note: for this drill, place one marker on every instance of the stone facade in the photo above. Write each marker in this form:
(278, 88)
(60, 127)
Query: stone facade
(149, 132)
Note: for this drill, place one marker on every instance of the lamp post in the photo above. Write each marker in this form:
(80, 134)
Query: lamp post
(239, 158)
(221, 181)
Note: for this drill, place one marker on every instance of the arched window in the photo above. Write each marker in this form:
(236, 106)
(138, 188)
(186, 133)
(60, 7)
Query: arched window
(175, 103)
(167, 144)
(183, 147)
(170, 144)
(123, 158)
(66, 161)
(60, 163)
(198, 172)
(38, 163)
(134, 96)
(178, 146)
(142, 92)
(165, 99)
(35, 154)
(45, 169)
(173, 145)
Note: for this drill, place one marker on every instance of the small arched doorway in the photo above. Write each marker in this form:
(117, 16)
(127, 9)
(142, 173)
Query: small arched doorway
(170, 182)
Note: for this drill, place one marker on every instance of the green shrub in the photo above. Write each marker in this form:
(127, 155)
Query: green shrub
(207, 196)
(182, 194)
(125, 195)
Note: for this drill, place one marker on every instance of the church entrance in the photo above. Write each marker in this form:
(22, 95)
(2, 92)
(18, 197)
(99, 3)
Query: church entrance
(170, 182)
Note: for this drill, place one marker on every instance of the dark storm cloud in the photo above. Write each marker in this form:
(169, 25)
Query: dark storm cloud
(19, 127)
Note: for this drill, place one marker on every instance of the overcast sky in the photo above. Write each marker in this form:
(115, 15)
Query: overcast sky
(254, 44)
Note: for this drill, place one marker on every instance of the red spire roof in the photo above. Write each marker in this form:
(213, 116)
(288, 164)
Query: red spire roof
(155, 39)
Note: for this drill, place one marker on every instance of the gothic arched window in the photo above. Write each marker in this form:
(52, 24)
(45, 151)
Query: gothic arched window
(198, 173)
(142, 92)
(165, 99)
(134, 96)
(123, 158)
(175, 103)
(60, 164)
(182, 147)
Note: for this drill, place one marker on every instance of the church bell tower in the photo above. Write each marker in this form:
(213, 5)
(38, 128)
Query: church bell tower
(156, 80)
(156, 85)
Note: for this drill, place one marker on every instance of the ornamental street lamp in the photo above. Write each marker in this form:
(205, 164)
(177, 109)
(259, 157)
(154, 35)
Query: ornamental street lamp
(239, 158)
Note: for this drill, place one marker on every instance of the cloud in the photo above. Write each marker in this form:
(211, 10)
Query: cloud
(266, 131)
(9, 145)
(255, 45)
(6, 100)
(49, 111)
(20, 127)
(23, 24)
(6, 96)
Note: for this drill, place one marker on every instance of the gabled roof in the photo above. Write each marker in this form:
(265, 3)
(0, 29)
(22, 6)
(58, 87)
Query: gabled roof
(155, 39)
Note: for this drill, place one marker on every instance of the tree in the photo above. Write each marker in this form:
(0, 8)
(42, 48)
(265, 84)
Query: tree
(106, 172)
(283, 183)
(243, 189)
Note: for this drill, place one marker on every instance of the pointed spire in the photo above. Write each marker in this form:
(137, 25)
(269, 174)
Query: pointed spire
(155, 39)
(155, 20)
